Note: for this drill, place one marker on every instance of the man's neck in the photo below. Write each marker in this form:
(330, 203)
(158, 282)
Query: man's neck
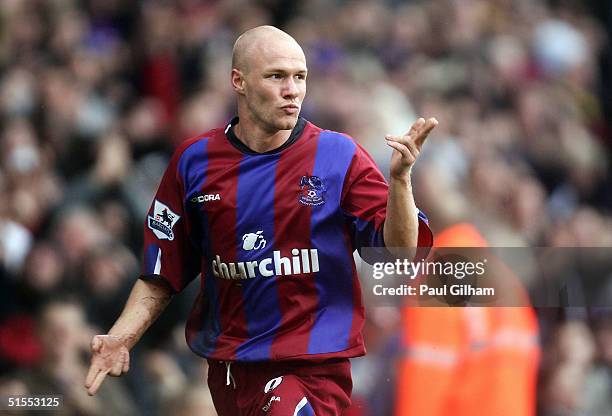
(258, 139)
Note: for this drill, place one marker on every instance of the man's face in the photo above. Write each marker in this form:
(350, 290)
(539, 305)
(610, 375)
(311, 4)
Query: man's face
(275, 85)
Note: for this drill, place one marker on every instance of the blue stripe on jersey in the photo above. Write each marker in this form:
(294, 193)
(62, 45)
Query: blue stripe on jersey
(306, 410)
(334, 282)
(192, 167)
(150, 258)
(366, 234)
(254, 213)
(422, 216)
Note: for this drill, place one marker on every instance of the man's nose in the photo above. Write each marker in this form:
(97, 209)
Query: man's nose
(290, 88)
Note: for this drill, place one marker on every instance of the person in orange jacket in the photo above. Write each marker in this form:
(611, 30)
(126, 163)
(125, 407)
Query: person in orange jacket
(471, 360)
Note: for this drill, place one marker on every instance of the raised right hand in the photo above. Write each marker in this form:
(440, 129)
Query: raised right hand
(109, 356)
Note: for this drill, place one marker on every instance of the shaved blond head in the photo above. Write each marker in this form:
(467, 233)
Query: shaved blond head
(256, 40)
(269, 77)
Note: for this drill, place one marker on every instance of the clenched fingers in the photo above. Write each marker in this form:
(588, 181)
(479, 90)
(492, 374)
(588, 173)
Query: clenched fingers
(96, 344)
(404, 145)
(118, 365)
(126, 363)
(400, 148)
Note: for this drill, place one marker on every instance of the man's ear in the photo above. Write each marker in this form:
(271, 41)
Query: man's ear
(238, 81)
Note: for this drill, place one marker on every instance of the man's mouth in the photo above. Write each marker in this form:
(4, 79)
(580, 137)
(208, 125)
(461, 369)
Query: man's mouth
(290, 108)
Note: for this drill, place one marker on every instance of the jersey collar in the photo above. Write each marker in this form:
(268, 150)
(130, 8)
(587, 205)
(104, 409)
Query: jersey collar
(235, 141)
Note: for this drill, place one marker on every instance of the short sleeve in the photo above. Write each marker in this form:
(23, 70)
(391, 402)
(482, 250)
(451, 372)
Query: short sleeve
(364, 202)
(169, 254)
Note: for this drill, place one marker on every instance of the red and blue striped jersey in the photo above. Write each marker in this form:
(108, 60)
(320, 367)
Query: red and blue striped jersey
(272, 235)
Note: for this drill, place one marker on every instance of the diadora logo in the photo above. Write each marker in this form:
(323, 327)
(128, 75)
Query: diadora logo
(273, 399)
(312, 191)
(253, 241)
(303, 261)
(272, 384)
(162, 221)
(199, 198)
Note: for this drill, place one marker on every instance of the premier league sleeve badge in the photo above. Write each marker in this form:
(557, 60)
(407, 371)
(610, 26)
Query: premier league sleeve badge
(162, 221)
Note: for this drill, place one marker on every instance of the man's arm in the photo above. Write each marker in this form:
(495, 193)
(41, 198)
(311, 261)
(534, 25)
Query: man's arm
(110, 353)
(402, 224)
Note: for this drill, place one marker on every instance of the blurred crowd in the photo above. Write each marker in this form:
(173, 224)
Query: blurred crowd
(95, 95)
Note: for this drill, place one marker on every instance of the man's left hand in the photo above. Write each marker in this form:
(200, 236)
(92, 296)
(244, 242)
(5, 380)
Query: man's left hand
(408, 147)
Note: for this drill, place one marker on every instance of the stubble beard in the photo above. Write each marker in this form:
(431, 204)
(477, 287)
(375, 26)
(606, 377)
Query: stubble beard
(275, 122)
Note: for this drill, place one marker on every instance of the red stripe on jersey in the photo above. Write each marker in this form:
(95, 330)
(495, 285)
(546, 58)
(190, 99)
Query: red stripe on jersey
(297, 294)
(196, 316)
(222, 179)
(366, 184)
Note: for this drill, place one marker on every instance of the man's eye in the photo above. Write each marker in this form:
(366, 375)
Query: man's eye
(276, 76)
(301, 77)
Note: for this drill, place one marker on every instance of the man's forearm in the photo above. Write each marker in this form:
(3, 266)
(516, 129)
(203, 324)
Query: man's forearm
(401, 224)
(402, 221)
(146, 302)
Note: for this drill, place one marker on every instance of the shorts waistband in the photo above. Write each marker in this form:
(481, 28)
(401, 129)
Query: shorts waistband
(304, 367)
